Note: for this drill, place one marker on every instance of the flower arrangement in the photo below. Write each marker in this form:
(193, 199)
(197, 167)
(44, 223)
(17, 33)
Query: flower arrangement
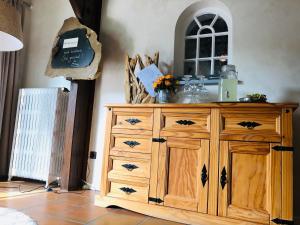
(166, 82)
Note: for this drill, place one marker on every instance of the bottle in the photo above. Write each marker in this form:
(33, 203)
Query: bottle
(228, 84)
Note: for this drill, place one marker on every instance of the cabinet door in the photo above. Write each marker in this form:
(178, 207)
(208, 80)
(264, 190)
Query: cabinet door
(183, 174)
(250, 181)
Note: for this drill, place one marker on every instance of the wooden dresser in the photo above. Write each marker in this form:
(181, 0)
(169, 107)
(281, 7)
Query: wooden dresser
(229, 163)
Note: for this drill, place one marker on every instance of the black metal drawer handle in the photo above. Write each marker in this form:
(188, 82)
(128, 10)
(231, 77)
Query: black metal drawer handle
(223, 179)
(131, 144)
(127, 190)
(133, 121)
(130, 167)
(249, 125)
(204, 177)
(185, 122)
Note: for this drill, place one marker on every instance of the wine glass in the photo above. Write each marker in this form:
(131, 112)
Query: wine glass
(201, 89)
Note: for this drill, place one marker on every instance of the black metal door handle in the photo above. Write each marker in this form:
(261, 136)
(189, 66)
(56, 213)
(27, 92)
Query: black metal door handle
(185, 122)
(223, 179)
(133, 121)
(127, 190)
(130, 167)
(131, 144)
(204, 177)
(248, 124)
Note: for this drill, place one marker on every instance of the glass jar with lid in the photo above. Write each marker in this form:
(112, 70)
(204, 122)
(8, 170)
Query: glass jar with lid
(228, 84)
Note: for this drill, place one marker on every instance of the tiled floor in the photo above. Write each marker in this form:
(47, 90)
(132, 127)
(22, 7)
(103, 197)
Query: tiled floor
(72, 208)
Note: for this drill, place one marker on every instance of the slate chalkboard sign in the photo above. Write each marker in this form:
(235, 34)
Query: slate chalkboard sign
(73, 50)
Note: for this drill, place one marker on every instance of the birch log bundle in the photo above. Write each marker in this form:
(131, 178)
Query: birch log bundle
(134, 89)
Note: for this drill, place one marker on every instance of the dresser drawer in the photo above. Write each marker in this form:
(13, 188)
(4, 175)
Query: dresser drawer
(131, 167)
(133, 119)
(131, 143)
(185, 121)
(251, 126)
(129, 192)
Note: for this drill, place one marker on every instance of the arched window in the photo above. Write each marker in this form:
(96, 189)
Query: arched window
(206, 46)
(203, 40)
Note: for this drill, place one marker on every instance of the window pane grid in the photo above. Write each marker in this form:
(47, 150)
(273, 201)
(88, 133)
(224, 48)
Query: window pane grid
(210, 56)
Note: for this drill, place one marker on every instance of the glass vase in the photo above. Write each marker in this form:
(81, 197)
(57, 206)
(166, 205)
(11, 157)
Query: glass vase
(163, 96)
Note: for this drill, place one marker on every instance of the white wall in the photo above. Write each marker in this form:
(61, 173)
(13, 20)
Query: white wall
(42, 24)
(266, 42)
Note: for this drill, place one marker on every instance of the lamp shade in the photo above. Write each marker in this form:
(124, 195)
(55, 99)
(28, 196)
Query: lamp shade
(11, 35)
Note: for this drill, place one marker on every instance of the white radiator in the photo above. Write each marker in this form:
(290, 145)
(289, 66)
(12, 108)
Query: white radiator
(37, 151)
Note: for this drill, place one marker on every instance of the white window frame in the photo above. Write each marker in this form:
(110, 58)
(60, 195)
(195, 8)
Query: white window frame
(213, 35)
(186, 17)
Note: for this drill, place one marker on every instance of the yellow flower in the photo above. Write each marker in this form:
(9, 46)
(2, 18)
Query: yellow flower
(169, 76)
(155, 85)
(168, 83)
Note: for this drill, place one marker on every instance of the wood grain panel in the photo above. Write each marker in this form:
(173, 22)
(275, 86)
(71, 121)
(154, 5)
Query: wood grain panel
(155, 156)
(184, 134)
(144, 120)
(183, 171)
(131, 155)
(140, 194)
(214, 163)
(287, 165)
(142, 167)
(223, 193)
(248, 193)
(268, 129)
(275, 189)
(172, 214)
(248, 215)
(183, 143)
(203, 160)
(178, 122)
(248, 181)
(106, 167)
(182, 178)
(124, 179)
(141, 144)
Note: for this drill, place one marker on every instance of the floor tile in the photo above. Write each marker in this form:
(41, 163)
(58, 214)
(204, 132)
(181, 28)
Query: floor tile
(155, 221)
(118, 218)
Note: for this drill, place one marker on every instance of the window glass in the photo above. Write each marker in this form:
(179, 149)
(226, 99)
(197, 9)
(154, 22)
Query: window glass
(218, 65)
(189, 68)
(205, 31)
(220, 26)
(192, 29)
(190, 48)
(221, 46)
(204, 68)
(206, 20)
(205, 47)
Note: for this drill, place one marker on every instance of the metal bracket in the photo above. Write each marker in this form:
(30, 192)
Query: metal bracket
(159, 140)
(156, 200)
(281, 221)
(283, 148)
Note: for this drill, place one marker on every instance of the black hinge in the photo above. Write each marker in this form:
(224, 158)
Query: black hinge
(156, 200)
(283, 148)
(280, 221)
(160, 140)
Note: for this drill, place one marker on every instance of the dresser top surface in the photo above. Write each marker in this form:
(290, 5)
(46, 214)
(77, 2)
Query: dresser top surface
(209, 105)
